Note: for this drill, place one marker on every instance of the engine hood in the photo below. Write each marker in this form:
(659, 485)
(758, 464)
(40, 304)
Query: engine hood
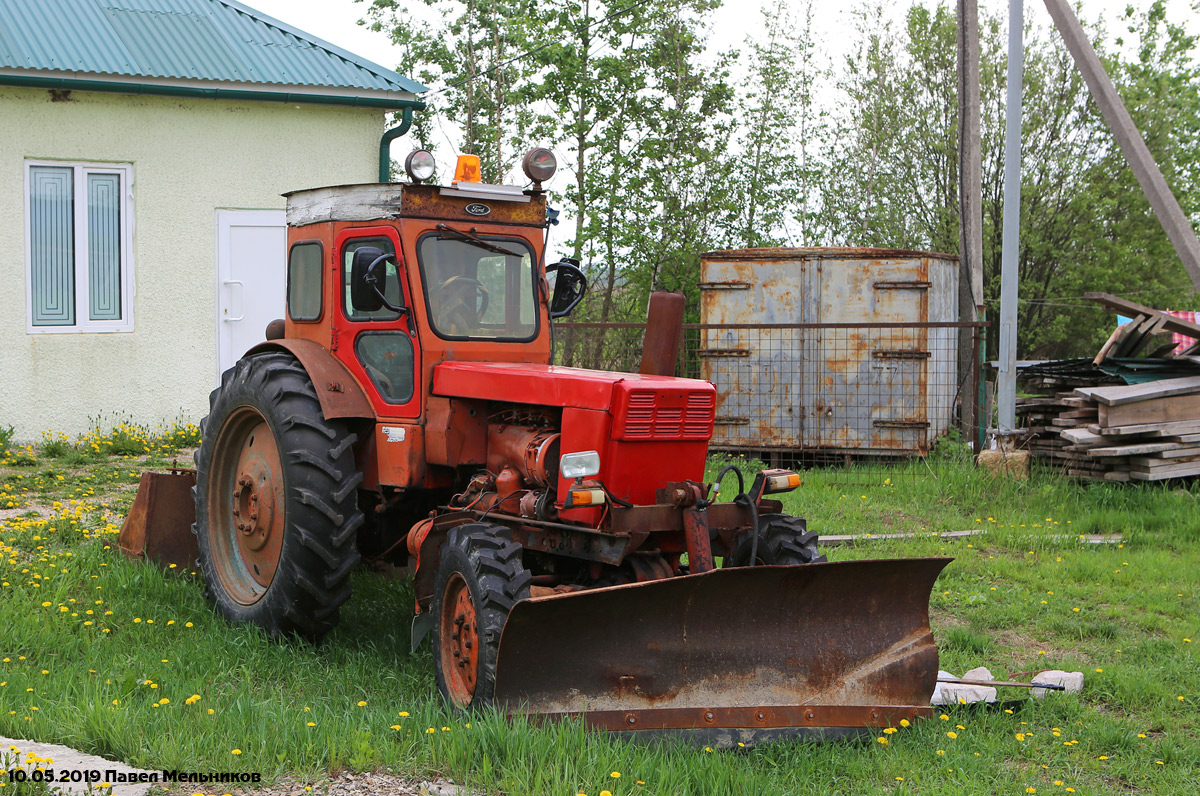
(553, 385)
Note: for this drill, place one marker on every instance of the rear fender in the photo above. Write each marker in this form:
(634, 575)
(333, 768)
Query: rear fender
(340, 394)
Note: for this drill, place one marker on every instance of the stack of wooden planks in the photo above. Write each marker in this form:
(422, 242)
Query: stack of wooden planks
(1120, 416)
(1140, 432)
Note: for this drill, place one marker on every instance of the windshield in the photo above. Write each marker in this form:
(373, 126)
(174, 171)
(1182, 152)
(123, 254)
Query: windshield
(478, 287)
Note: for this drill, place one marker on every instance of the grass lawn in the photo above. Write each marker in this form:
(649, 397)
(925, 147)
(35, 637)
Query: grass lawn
(129, 662)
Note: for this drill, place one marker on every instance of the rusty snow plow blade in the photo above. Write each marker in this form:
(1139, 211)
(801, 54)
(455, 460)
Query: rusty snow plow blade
(733, 655)
(158, 527)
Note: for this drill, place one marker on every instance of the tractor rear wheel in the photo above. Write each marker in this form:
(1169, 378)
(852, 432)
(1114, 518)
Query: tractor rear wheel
(479, 578)
(781, 540)
(276, 501)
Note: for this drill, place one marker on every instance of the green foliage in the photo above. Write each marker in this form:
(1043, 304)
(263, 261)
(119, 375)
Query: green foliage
(952, 447)
(665, 155)
(19, 456)
(55, 446)
(6, 438)
(1085, 223)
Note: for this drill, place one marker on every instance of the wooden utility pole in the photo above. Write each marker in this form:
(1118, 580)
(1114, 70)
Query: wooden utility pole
(1170, 215)
(970, 214)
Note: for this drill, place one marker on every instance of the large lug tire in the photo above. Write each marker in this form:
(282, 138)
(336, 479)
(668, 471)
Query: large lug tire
(479, 578)
(276, 501)
(781, 540)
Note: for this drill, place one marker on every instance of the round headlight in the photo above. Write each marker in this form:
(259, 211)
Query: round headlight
(419, 165)
(539, 164)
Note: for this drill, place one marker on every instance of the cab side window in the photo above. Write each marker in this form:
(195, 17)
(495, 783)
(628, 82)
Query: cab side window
(391, 281)
(304, 282)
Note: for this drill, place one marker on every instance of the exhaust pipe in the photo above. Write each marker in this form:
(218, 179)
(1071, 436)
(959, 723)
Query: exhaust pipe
(664, 329)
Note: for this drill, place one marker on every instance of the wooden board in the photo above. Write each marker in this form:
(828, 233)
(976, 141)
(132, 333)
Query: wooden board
(1132, 393)
(1171, 409)
(1081, 436)
(1131, 308)
(1157, 473)
(1119, 335)
(1140, 336)
(1180, 453)
(1148, 429)
(1151, 463)
(1134, 449)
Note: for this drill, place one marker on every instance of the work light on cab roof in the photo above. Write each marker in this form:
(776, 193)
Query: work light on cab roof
(419, 165)
(539, 165)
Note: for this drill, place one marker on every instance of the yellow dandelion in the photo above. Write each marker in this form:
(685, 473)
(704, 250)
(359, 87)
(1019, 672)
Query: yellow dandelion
(235, 751)
(615, 775)
(952, 734)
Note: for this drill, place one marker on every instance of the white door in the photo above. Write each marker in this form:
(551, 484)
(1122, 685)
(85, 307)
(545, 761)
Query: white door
(251, 279)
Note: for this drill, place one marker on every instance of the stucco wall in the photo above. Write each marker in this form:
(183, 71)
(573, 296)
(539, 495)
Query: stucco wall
(190, 158)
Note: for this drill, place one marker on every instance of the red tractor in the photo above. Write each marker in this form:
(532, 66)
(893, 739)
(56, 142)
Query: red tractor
(561, 537)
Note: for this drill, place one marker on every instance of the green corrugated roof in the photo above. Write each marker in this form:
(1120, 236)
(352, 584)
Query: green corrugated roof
(205, 47)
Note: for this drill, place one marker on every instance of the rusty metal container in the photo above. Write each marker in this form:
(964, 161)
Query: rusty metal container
(834, 350)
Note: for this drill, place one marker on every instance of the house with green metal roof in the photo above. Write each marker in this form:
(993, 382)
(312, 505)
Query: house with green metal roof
(146, 145)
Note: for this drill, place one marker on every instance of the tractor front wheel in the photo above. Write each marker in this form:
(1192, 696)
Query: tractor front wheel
(781, 540)
(479, 578)
(276, 501)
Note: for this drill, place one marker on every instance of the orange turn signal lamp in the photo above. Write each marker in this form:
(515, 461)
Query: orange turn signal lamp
(774, 481)
(584, 496)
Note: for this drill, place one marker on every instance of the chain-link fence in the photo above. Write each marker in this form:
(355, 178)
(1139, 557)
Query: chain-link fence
(815, 392)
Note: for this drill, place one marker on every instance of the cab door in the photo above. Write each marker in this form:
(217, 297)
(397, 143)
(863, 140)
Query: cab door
(380, 345)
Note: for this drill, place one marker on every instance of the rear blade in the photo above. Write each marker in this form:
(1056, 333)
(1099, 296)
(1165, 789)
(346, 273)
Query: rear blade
(830, 645)
(158, 527)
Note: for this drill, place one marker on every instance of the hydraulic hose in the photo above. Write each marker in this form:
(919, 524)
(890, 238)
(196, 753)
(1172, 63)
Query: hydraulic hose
(743, 499)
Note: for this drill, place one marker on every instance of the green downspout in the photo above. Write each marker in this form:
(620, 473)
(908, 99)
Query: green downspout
(385, 144)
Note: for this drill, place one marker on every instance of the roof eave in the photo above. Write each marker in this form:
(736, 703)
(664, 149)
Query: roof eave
(312, 95)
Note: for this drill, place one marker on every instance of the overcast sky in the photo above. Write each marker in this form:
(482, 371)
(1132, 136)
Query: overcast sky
(336, 20)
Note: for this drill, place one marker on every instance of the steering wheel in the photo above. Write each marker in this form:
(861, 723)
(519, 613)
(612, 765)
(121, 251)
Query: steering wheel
(382, 380)
(457, 297)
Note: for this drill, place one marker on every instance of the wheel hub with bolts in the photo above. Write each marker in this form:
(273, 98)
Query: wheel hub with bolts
(254, 510)
(251, 534)
(461, 645)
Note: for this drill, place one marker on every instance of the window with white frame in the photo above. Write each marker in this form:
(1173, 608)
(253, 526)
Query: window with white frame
(78, 252)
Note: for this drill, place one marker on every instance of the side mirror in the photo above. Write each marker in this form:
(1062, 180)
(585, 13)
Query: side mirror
(366, 276)
(570, 285)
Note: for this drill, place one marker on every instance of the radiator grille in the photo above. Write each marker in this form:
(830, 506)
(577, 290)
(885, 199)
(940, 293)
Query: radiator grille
(698, 419)
(647, 416)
